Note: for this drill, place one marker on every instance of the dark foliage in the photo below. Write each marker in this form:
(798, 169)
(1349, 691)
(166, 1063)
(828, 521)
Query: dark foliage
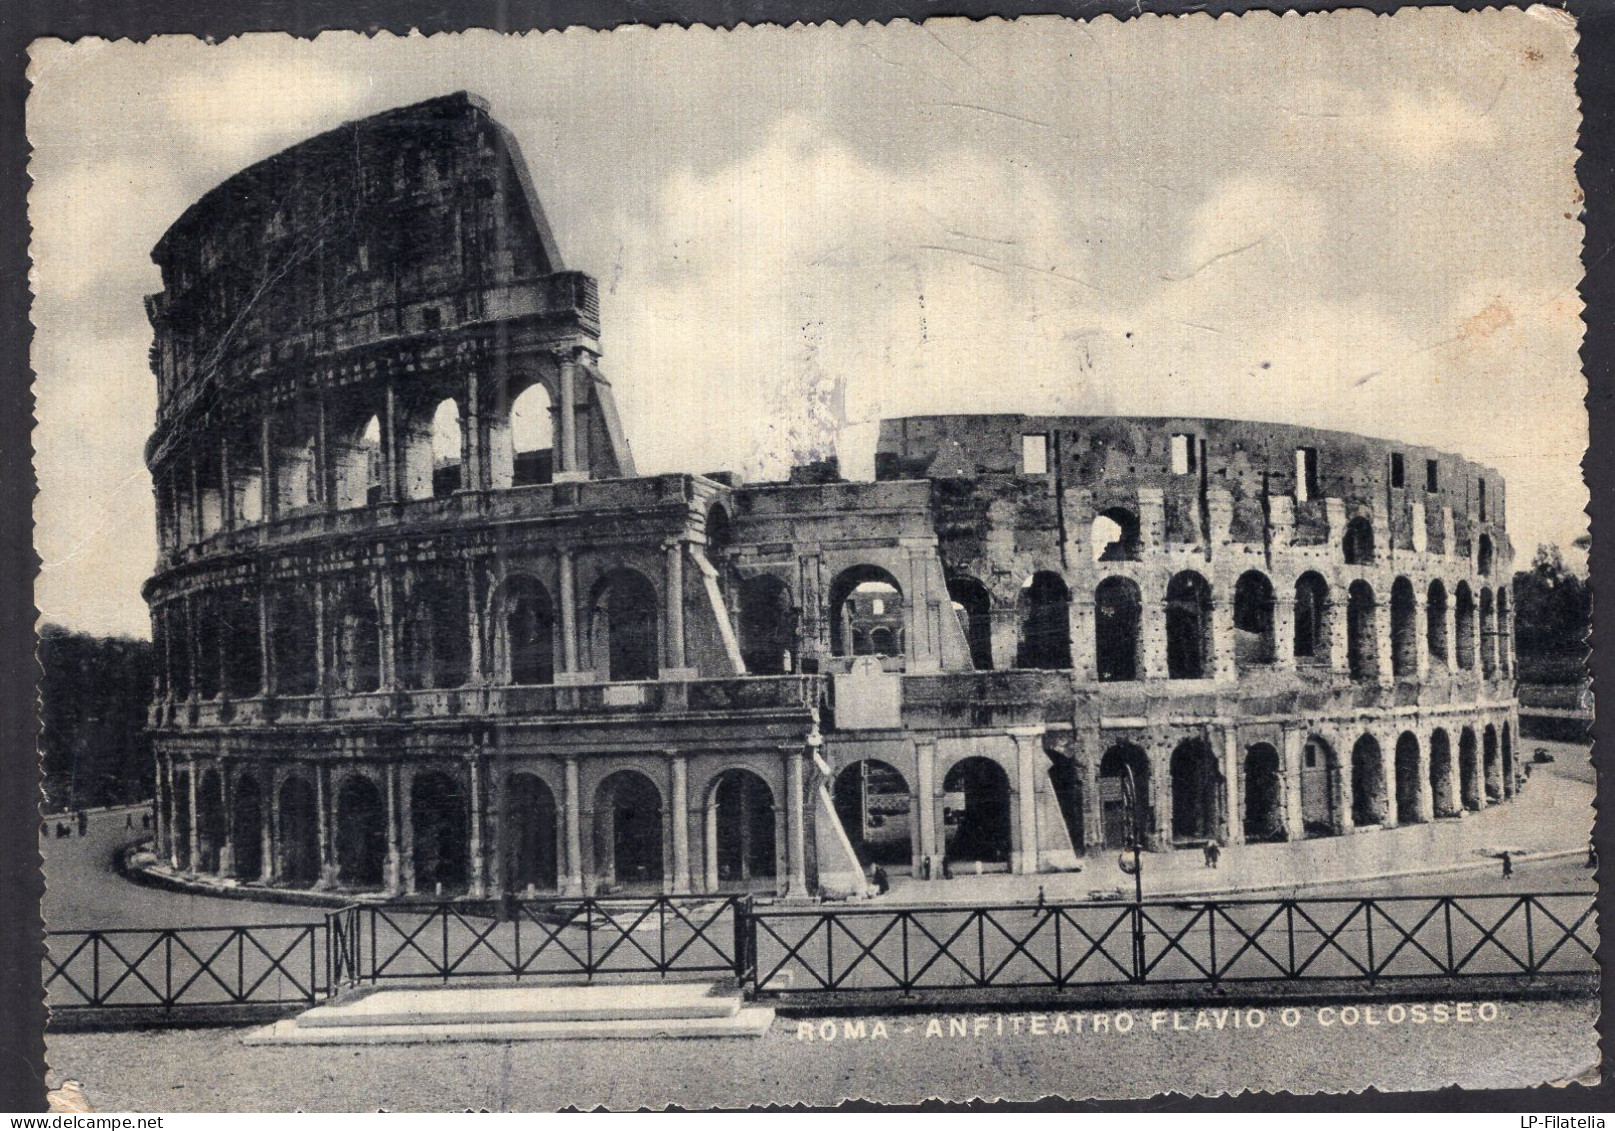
(93, 698)
(1553, 616)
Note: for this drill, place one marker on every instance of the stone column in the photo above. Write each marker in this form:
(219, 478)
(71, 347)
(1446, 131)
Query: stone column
(389, 447)
(1452, 632)
(227, 499)
(269, 492)
(1338, 611)
(479, 861)
(471, 436)
(1421, 634)
(266, 832)
(1382, 639)
(1425, 804)
(165, 810)
(1387, 770)
(266, 651)
(195, 830)
(796, 818)
(406, 831)
(395, 868)
(1152, 628)
(196, 502)
(322, 805)
(674, 620)
(473, 620)
(192, 646)
(1283, 630)
(1151, 521)
(1223, 666)
(568, 600)
(567, 440)
(387, 631)
(322, 673)
(1084, 657)
(1160, 794)
(1093, 812)
(1233, 767)
(1343, 791)
(679, 802)
(1023, 857)
(323, 474)
(925, 807)
(1294, 765)
(573, 883)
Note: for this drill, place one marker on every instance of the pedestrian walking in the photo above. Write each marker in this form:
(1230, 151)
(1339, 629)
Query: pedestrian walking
(883, 883)
(1040, 898)
(1205, 853)
(128, 820)
(947, 869)
(1213, 853)
(1508, 864)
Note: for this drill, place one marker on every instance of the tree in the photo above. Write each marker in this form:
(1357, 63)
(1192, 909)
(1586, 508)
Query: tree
(93, 696)
(1552, 617)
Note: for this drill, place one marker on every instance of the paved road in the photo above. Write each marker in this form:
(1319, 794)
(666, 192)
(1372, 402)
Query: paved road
(209, 1070)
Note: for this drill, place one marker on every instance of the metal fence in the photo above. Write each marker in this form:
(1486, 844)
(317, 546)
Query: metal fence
(538, 938)
(778, 949)
(162, 968)
(1171, 942)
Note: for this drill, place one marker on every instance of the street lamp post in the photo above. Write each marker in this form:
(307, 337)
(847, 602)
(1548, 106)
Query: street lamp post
(1135, 813)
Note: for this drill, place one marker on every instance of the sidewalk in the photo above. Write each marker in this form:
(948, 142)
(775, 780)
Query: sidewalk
(1552, 816)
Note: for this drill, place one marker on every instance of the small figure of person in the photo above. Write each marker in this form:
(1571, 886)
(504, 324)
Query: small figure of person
(128, 820)
(947, 869)
(1508, 864)
(1041, 900)
(1213, 852)
(925, 869)
(83, 821)
(883, 883)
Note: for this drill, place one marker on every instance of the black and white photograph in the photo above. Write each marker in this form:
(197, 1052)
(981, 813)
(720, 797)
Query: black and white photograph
(937, 560)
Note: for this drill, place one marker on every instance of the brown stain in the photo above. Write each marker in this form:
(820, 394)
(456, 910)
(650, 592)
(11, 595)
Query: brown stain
(1532, 55)
(1491, 318)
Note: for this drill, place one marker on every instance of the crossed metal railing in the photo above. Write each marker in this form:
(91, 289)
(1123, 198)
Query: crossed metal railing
(780, 950)
(1168, 942)
(166, 967)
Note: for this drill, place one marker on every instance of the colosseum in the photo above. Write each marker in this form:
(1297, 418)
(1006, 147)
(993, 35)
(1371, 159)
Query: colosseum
(424, 631)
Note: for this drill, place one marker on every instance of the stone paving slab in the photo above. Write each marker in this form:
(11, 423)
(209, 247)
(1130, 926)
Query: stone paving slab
(462, 1005)
(746, 1022)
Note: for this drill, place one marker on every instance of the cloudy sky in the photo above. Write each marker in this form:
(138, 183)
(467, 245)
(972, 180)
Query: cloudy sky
(1341, 220)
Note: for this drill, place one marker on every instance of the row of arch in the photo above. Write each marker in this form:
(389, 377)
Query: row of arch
(276, 837)
(230, 485)
(1118, 618)
(1439, 778)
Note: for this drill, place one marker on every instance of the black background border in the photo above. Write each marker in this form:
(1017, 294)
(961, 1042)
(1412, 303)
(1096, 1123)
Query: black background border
(22, 1012)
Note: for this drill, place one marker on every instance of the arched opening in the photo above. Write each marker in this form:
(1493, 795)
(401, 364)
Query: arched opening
(1066, 781)
(1124, 811)
(1362, 640)
(1188, 626)
(873, 803)
(767, 626)
(1464, 625)
(528, 622)
(448, 449)
(1470, 790)
(1443, 801)
(1357, 546)
(297, 487)
(623, 627)
(210, 821)
(861, 599)
(441, 824)
(882, 642)
(207, 648)
(176, 638)
(1493, 765)
(1114, 536)
(358, 641)
(1488, 635)
(975, 812)
(356, 464)
(1409, 779)
(1196, 793)
(1045, 608)
(1435, 622)
(742, 827)
(294, 641)
(1320, 789)
(532, 445)
(974, 607)
(299, 855)
(1483, 556)
(246, 829)
(1264, 795)
(243, 660)
(436, 640)
(628, 829)
(1404, 630)
(1253, 620)
(246, 479)
(532, 847)
(1367, 783)
(1505, 634)
(1312, 618)
(361, 833)
(1508, 763)
(1118, 610)
(182, 820)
